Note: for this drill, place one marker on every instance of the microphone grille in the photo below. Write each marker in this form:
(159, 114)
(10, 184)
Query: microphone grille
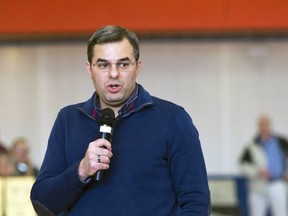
(107, 116)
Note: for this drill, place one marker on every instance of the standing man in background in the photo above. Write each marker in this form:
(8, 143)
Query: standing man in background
(264, 161)
(157, 166)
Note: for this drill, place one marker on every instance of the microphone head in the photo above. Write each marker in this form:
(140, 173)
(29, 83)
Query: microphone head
(107, 116)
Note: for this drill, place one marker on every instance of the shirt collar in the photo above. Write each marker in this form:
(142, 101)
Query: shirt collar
(138, 100)
(126, 108)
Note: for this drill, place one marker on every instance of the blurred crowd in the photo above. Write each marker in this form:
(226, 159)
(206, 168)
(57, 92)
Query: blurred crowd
(15, 160)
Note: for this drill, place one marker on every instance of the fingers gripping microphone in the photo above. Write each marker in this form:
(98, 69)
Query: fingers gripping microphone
(107, 118)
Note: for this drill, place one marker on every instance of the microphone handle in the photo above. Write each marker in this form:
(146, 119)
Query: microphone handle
(100, 173)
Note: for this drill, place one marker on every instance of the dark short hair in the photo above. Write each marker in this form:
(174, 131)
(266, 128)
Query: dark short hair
(108, 34)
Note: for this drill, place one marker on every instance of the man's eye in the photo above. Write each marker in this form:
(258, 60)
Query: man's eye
(103, 65)
(123, 64)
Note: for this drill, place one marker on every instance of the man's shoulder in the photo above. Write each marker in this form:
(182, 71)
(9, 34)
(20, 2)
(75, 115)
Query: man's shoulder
(85, 105)
(155, 100)
(165, 103)
(168, 109)
(72, 107)
(282, 139)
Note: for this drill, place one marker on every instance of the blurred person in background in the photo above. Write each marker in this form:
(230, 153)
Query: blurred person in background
(7, 167)
(3, 148)
(264, 162)
(20, 152)
(157, 166)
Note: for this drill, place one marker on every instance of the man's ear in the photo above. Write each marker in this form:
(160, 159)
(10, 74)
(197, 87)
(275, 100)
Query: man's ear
(88, 68)
(139, 65)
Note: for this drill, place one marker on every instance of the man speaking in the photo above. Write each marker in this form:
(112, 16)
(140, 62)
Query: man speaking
(153, 165)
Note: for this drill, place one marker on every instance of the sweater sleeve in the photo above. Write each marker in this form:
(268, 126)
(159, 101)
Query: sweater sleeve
(187, 166)
(56, 186)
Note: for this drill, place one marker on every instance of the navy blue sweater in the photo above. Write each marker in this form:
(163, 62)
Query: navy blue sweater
(157, 166)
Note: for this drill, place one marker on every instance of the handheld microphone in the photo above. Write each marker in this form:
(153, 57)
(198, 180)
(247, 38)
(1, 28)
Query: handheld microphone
(107, 118)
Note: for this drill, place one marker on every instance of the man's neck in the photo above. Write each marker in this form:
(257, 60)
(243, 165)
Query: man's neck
(265, 137)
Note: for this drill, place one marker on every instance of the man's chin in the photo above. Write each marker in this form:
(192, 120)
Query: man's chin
(115, 102)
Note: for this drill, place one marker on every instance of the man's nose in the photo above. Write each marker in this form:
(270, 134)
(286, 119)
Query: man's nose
(114, 71)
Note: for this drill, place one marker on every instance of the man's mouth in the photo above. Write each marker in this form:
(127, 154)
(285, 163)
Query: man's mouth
(114, 88)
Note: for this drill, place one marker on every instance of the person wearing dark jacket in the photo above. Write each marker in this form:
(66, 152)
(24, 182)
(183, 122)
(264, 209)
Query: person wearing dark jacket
(264, 161)
(154, 164)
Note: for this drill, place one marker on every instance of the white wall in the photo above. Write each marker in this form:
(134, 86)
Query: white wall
(224, 85)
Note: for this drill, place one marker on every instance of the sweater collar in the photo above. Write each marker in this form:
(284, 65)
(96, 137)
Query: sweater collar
(139, 99)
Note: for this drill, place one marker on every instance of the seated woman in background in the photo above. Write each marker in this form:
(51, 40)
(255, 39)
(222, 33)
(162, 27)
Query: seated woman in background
(20, 151)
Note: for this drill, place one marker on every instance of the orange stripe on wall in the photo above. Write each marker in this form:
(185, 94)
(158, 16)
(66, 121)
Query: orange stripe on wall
(76, 16)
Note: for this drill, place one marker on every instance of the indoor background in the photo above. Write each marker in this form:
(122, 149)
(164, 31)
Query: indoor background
(224, 61)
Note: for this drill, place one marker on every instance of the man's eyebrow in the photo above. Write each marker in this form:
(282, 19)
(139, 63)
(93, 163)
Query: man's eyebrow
(124, 59)
(101, 60)
(105, 60)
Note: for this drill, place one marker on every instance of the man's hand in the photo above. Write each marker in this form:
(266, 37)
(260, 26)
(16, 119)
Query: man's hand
(96, 158)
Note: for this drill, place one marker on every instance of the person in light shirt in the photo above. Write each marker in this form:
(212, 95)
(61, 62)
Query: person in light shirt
(264, 161)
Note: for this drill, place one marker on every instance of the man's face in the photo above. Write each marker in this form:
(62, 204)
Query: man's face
(264, 127)
(113, 84)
